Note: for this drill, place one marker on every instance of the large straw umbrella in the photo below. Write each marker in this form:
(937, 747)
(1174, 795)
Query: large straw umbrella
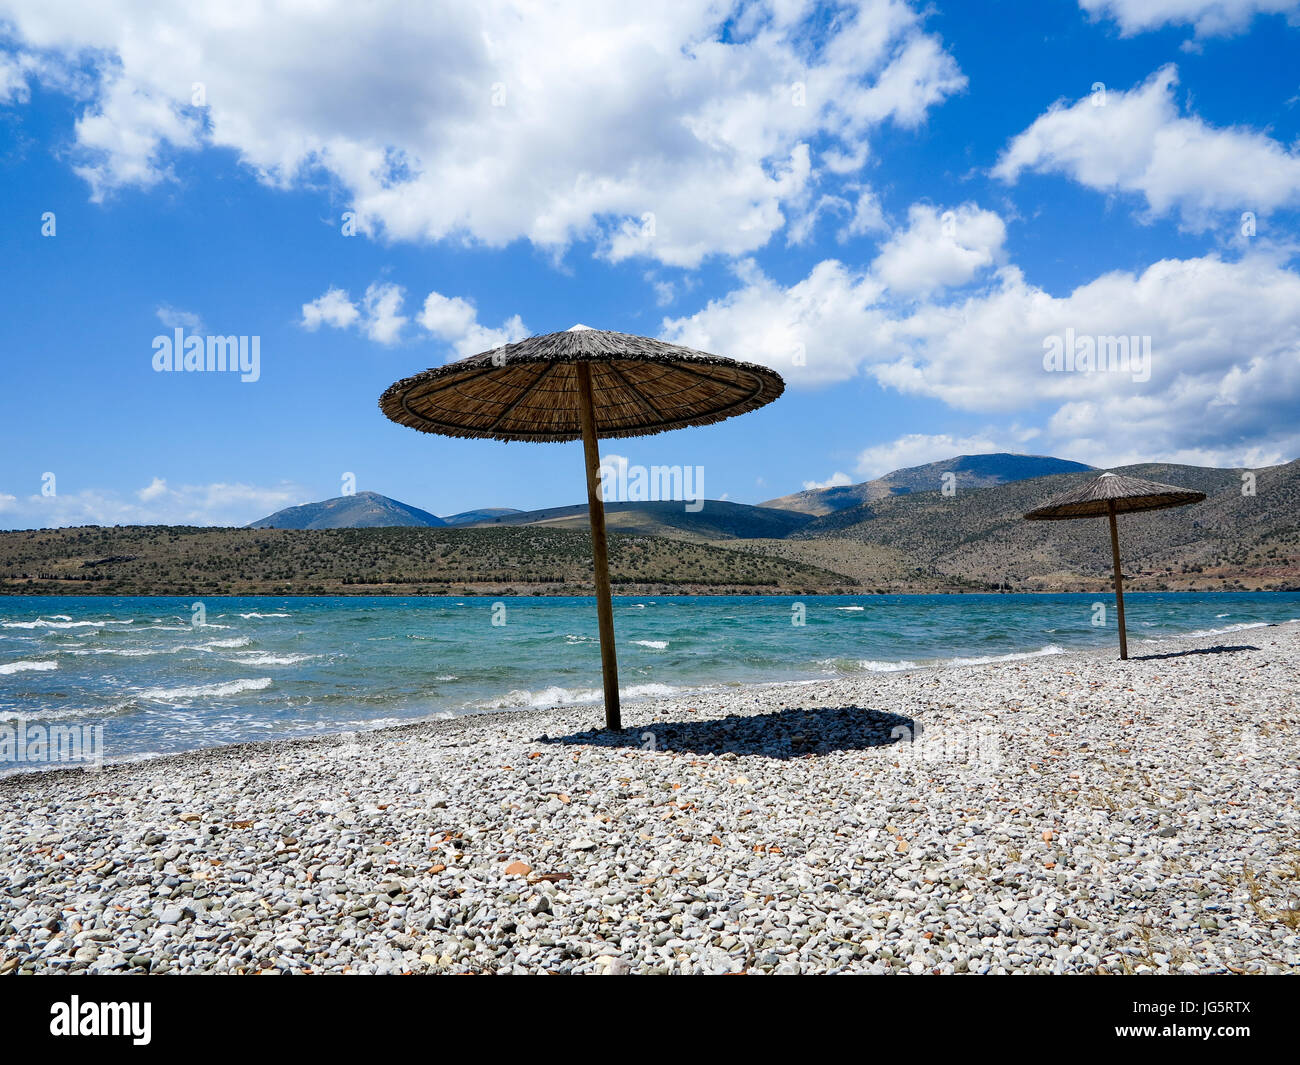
(582, 383)
(1109, 495)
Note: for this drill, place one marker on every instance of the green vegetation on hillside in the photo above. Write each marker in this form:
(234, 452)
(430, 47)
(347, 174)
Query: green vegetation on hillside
(181, 560)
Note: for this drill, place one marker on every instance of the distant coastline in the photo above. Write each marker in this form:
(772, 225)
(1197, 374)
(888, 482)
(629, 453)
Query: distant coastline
(540, 561)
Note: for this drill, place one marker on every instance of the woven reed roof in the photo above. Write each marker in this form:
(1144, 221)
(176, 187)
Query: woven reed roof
(1129, 494)
(529, 390)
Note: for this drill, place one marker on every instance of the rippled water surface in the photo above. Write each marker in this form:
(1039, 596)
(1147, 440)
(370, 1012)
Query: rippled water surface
(263, 668)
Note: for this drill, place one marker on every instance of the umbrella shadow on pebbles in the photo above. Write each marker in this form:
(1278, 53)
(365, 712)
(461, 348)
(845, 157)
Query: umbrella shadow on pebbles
(783, 734)
(1219, 649)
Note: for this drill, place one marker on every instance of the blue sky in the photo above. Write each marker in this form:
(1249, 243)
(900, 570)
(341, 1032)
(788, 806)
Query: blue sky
(894, 206)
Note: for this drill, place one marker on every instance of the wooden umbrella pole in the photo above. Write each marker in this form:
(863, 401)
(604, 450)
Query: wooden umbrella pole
(1119, 581)
(599, 548)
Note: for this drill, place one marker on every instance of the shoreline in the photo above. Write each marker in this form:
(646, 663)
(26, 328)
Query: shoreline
(1068, 813)
(1097, 586)
(684, 693)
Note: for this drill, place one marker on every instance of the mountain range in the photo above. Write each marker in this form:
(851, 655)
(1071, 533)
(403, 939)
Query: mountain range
(1246, 534)
(914, 530)
(370, 510)
(362, 510)
(968, 471)
(716, 519)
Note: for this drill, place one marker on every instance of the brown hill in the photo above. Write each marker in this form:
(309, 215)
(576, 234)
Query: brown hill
(979, 539)
(180, 560)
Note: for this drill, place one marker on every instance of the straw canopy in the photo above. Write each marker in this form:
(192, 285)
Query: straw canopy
(530, 390)
(1127, 494)
(1108, 496)
(582, 383)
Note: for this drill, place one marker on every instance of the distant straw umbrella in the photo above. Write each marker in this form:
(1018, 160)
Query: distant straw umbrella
(582, 384)
(1109, 495)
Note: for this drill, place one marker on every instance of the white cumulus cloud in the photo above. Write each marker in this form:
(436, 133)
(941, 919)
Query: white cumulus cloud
(382, 312)
(1211, 18)
(673, 131)
(1139, 142)
(940, 249)
(835, 480)
(174, 318)
(916, 449)
(158, 503)
(1222, 381)
(333, 308)
(809, 331)
(453, 320)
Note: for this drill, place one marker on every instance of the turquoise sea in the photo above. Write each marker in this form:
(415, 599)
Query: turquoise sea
(263, 668)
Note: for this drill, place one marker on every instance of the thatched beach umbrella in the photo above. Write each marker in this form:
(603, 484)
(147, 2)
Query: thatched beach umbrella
(1109, 495)
(583, 383)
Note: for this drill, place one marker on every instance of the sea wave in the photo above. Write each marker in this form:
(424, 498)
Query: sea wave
(870, 665)
(88, 715)
(1228, 628)
(874, 666)
(850, 608)
(255, 614)
(1015, 656)
(647, 691)
(558, 696)
(42, 623)
(656, 645)
(9, 668)
(199, 691)
(125, 652)
(259, 658)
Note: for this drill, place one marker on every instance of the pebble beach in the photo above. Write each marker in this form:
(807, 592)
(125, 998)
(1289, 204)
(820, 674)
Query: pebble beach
(1068, 813)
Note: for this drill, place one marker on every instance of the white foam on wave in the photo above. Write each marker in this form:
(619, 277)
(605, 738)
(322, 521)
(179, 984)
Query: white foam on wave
(646, 691)
(9, 668)
(553, 696)
(42, 623)
(199, 691)
(850, 608)
(656, 645)
(259, 658)
(557, 696)
(85, 714)
(1227, 628)
(1015, 656)
(873, 665)
(124, 652)
(255, 614)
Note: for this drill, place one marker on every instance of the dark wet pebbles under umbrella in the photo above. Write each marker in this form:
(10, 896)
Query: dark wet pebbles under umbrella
(1108, 496)
(582, 384)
